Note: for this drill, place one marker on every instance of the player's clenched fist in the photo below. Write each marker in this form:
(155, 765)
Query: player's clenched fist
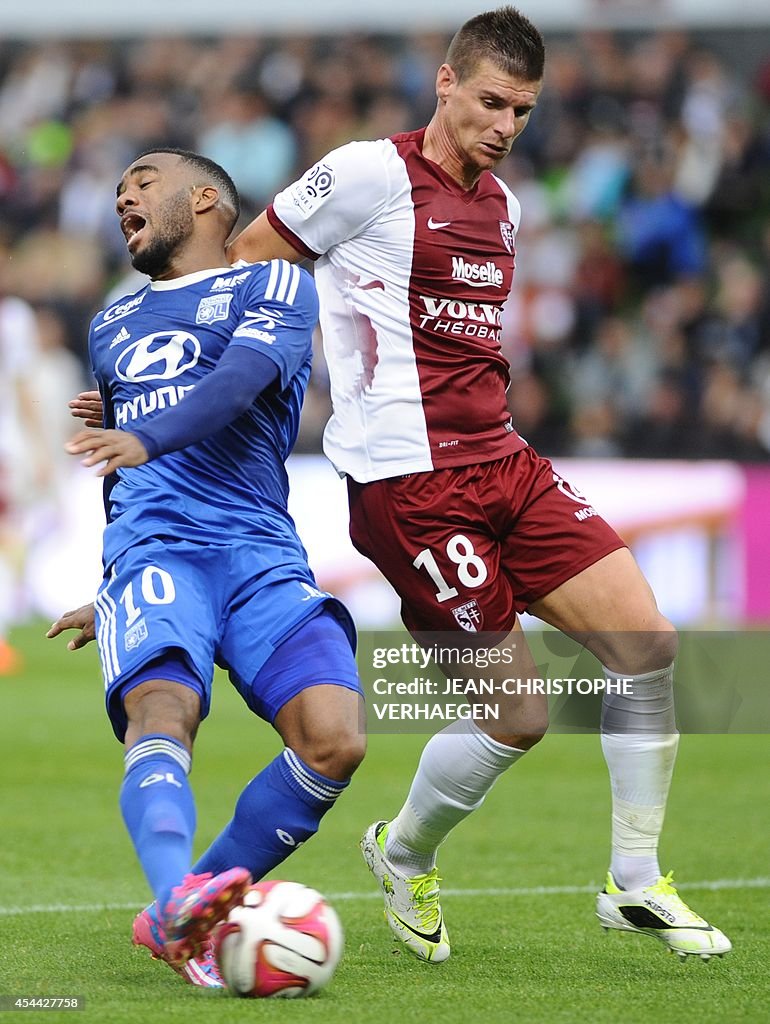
(114, 448)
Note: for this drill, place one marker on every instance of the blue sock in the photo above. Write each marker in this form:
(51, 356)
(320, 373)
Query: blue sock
(159, 811)
(278, 810)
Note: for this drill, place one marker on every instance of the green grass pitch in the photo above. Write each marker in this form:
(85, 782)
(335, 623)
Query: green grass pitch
(70, 885)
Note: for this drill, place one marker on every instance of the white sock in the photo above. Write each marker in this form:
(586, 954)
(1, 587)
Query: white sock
(639, 740)
(458, 767)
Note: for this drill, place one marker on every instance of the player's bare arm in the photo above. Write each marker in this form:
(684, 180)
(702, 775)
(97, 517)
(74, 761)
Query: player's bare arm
(115, 448)
(81, 619)
(260, 241)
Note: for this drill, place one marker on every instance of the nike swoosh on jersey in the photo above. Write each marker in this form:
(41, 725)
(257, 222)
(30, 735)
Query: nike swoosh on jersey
(434, 225)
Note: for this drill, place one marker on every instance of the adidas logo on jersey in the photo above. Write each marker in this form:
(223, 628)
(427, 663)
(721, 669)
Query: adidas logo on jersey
(122, 335)
(477, 275)
(229, 282)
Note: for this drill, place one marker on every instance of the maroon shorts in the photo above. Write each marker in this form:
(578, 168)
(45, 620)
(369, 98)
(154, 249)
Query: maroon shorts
(470, 546)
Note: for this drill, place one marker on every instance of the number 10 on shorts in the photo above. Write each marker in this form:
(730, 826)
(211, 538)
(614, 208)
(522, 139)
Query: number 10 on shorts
(157, 588)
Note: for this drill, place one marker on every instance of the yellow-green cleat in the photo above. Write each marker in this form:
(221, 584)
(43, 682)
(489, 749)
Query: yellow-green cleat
(659, 910)
(412, 907)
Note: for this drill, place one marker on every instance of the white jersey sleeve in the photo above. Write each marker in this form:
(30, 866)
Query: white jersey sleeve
(339, 197)
(514, 206)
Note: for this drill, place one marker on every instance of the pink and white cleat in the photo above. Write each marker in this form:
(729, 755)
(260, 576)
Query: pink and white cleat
(202, 971)
(196, 907)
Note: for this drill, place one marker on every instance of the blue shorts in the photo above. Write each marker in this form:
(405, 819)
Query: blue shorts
(200, 606)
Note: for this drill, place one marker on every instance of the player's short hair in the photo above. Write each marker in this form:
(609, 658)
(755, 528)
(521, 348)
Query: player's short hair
(210, 171)
(503, 36)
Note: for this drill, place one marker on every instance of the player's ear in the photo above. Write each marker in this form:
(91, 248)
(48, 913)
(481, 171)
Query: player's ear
(445, 79)
(205, 197)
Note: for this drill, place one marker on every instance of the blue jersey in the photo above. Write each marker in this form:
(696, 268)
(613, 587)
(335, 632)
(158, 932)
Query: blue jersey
(149, 349)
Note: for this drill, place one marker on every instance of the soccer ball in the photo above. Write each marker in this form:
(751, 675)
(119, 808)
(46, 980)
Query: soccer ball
(285, 940)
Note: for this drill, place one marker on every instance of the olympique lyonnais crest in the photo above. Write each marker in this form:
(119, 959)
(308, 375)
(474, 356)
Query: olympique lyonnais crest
(135, 635)
(506, 230)
(213, 307)
(468, 617)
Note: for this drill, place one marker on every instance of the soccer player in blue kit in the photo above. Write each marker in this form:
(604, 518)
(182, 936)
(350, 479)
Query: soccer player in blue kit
(202, 375)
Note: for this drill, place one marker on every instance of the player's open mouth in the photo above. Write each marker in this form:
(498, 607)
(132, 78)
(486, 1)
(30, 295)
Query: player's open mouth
(131, 224)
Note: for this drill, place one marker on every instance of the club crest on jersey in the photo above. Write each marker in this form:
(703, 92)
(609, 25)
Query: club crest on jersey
(313, 188)
(213, 307)
(159, 356)
(507, 233)
(469, 616)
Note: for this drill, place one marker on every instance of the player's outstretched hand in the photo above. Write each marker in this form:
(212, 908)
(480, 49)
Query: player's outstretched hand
(114, 448)
(87, 406)
(81, 618)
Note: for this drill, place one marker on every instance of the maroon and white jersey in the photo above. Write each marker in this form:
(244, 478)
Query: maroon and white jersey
(412, 273)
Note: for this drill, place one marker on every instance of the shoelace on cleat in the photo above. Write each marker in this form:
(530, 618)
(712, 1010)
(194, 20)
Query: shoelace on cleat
(425, 898)
(191, 882)
(207, 962)
(665, 887)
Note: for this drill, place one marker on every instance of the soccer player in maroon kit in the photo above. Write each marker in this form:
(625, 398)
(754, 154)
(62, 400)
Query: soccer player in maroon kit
(413, 239)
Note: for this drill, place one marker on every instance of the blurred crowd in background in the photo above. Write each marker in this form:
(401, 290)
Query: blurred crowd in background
(640, 319)
(639, 323)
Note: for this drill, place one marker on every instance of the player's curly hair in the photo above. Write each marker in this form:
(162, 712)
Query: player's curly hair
(210, 171)
(503, 36)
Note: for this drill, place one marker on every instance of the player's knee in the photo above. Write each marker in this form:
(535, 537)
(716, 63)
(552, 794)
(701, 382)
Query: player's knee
(523, 734)
(349, 755)
(335, 756)
(521, 721)
(655, 649)
(531, 739)
(639, 651)
(158, 706)
(664, 644)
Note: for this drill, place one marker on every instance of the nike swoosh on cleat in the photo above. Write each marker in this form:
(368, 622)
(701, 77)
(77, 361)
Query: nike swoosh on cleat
(434, 937)
(434, 225)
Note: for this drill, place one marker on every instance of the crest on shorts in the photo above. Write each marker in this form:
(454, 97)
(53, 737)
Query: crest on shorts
(135, 635)
(469, 617)
(506, 231)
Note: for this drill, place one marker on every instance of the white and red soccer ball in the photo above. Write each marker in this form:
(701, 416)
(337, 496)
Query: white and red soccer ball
(284, 941)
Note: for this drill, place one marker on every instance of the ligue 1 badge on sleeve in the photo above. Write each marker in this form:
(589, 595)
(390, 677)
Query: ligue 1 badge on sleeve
(312, 190)
(506, 230)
